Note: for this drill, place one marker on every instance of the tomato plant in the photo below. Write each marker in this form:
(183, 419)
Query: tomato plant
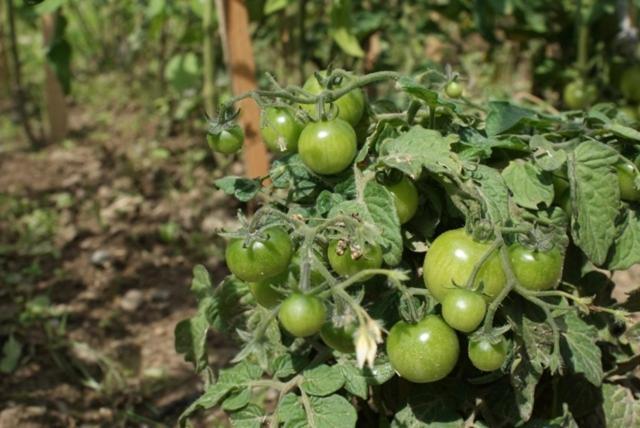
(486, 355)
(464, 310)
(350, 106)
(226, 141)
(352, 335)
(450, 262)
(347, 260)
(280, 130)
(423, 352)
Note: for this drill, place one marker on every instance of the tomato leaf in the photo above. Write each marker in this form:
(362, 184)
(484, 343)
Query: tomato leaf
(237, 400)
(564, 421)
(342, 29)
(11, 352)
(528, 185)
(291, 410)
(322, 380)
(429, 407)
(545, 155)
(626, 251)
(524, 378)
(623, 131)
(354, 380)
(596, 198)
(428, 96)
(421, 148)
(621, 408)
(504, 116)
(252, 416)
(243, 189)
(287, 365)
(333, 411)
(289, 172)
(378, 200)
(493, 193)
(579, 350)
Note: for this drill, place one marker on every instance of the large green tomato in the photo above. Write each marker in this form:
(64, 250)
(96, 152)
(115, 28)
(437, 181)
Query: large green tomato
(327, 147)
(464, 309)
(264, 258)
(228, 141)
(350, 106)
(339, 338)
(423, 352)
(578, 95)
(302, 315)
(536, 270)
(280, 130)
(343, 262)
(630, 83)
(450, 261)
(405, 197)
(264, 292)
(626, 177)
(486, 356)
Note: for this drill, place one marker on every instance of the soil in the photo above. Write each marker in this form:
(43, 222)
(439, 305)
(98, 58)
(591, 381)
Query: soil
(104, 354)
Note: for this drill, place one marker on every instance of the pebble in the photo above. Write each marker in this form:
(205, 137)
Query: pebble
(132, 300)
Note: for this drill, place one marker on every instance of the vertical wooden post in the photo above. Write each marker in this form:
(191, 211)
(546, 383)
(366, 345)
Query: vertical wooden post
(55, 104)
(243, 70)
(5, 83)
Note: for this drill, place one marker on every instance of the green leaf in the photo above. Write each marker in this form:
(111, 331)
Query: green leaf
(201, 282)
(623, 131)
(342, 28)
(190, 340)
(626, 250)
(289, 172)
(527, 184)
(504, 116)
(252, 416)
(243, 189)
(564, 421)
(416, 90)
(524, 378)
(354, 380)
(333, 411)
(290, 410)
(322, 380)
(272, 6)
(493, 192)
(237, 400)
(209, 399)
(621, 408)
(596, 198)
(420, 148)
(545, 155)
(11, 352)
(378, 200)
(381, 372)
(579, 350)
(430, 408)
(287, 365)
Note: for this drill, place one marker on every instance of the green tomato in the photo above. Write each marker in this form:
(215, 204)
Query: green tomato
(315, 277)
(464, 310)
(327, 147)
(578, 95)
(345, 263)
(280, 130)
(536, 270)
(450, 261)
(630, 83)
(228, 141)
(350, 106)
(626, 176)
(339, 338)
(453, 89)
(264, 292)
(405, 198)
(423, 352)
(486, 356)
(302, 315)
(264, 258)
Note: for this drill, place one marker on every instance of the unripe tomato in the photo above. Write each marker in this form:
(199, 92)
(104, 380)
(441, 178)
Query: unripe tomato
(626, 177)
(345, 263)
(280, 130)
(630, 83)
(302, 315)
(578, 95)
(486, 356)
(350, 106)
(464, 309)
(536, 270)
(450, 261)
(405, 197)
(264, 292)
(264, 258)
(453, 89)
(227, 141)
(339, 338)
(423, 352)
(327, 147)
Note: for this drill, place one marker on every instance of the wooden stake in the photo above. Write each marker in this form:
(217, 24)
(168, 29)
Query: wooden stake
(243, 78)
(54, 100)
